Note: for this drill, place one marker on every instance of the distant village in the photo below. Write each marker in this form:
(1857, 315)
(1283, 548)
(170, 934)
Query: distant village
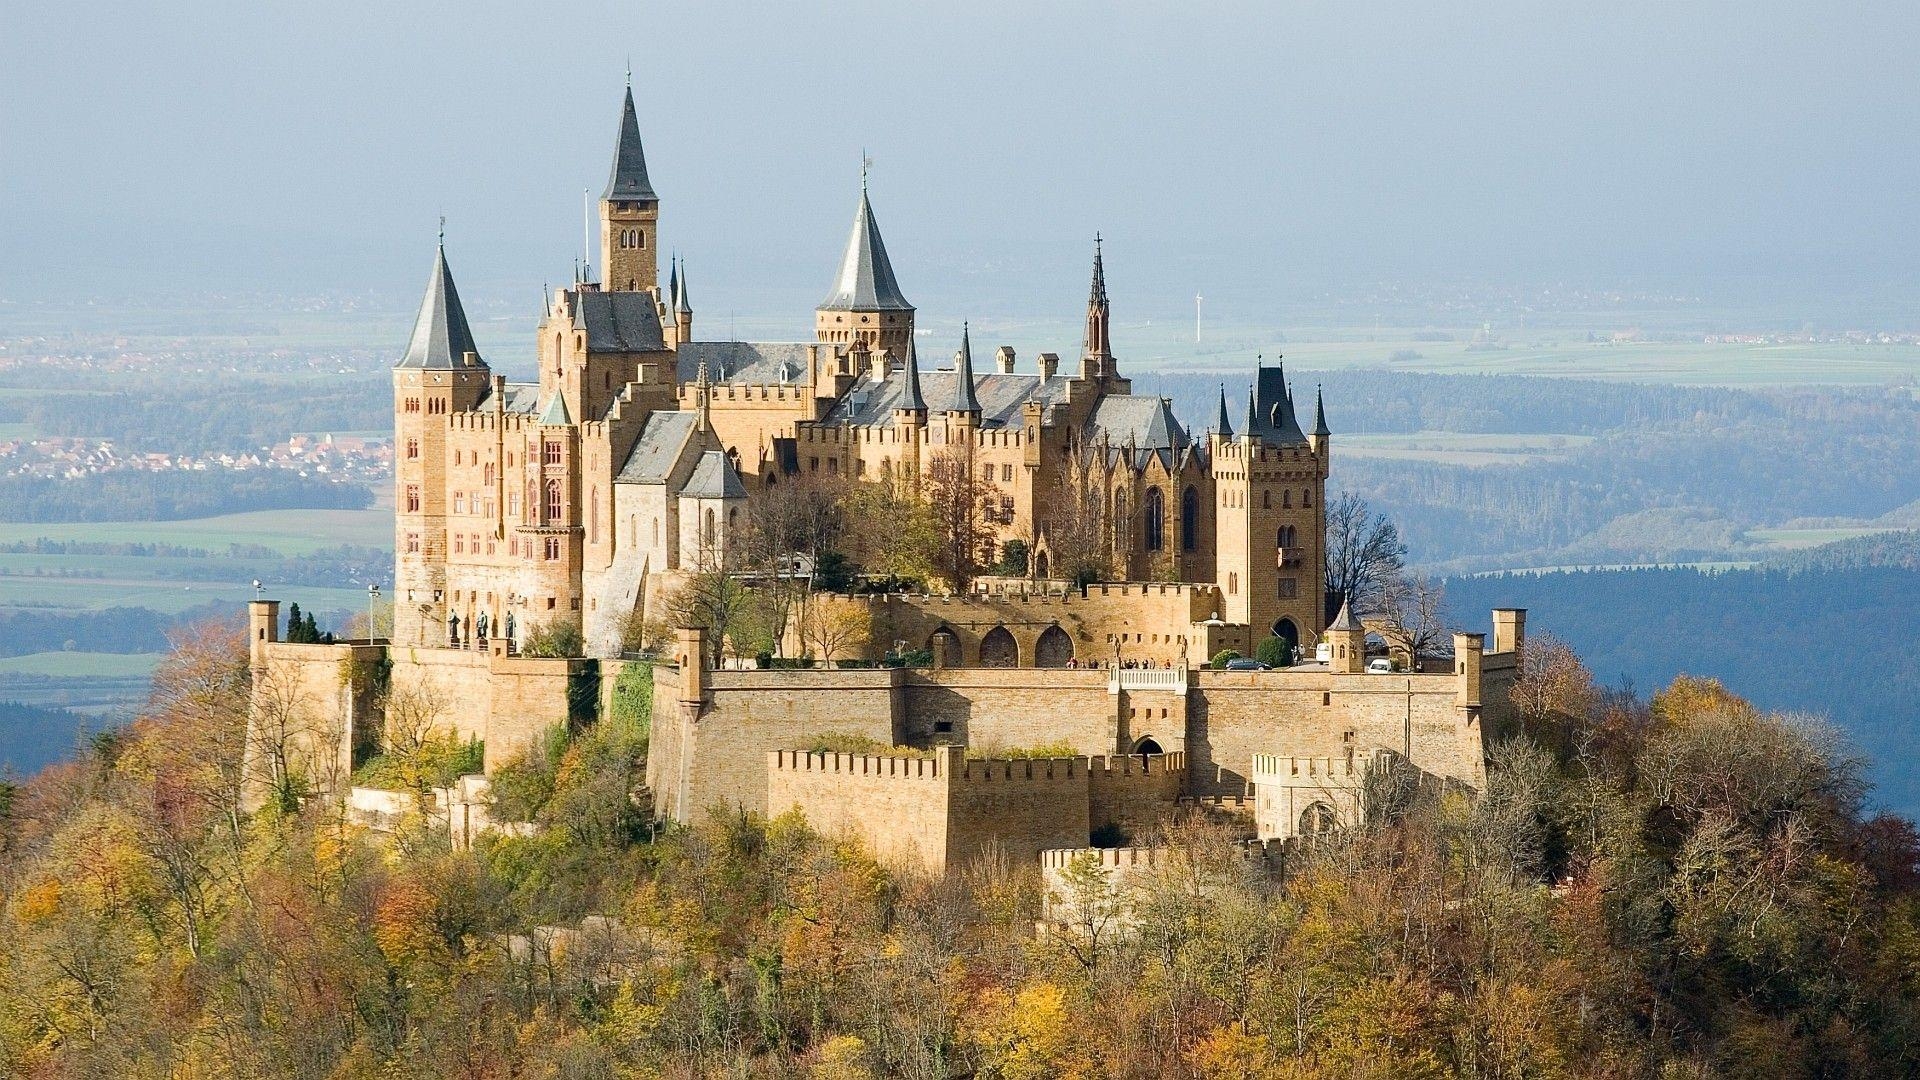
(363, 459)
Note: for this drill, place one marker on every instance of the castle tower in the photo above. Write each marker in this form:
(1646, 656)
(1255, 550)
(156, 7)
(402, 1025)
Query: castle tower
(441, 374)
(1270, 522)
(1096, 355)
(1347, 644)
(866, 303)
(629, 214)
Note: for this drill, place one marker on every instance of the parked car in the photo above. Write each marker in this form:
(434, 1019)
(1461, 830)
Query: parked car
(1379, 665)
(1246, 664)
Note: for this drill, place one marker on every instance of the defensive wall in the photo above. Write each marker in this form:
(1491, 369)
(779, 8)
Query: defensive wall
(943, 809)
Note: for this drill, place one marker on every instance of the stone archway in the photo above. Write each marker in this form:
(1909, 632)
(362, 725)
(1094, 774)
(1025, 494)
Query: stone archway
(1054, 649)
(1317, 820)
(1040, 566)
(998, 649)
(944, 644)
(1147, 745)
(1289, 636)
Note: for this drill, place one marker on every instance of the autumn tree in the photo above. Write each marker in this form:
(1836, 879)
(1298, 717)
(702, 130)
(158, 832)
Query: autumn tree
(1364, 554)
(959, 499)
(1076, 520)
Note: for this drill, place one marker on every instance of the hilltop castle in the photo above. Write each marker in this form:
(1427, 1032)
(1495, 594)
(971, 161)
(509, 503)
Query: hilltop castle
(637, 460)
(642, 448)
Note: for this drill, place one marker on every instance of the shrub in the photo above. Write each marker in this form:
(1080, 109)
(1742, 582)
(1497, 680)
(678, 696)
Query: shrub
(1026, 753)
(1013, 559)
(558, 638)
(1274, 652)
(1221, 658)
(523, 785)
(437, 762)
(847, 742)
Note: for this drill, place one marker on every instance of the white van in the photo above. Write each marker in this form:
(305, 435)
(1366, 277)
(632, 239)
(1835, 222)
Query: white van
(1379, 665)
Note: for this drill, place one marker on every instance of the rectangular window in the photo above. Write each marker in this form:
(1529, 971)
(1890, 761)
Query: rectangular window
(413, 543)
(459, 503)
(1289, 588)
(553, 452)
(459, 543)
(413, 498)
(1006, 474)
(413, 449)
(553, 548)
(1006, 509)
(986, 473)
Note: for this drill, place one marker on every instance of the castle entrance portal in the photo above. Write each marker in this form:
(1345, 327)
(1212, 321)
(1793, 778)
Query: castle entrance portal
(1147, 746)
(1288, 633)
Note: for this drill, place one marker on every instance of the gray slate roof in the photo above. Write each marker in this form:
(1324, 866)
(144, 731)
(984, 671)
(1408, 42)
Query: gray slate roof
(865, 281)
(617, 321)
(521, 398)
(1270, 410)
(440, 337)
(1345, 620)
(757, 362)
(1144, 423)
(628, 181)
(555, 414)
(964, 399)
(660, 445)
(872, 404)
(714, 478)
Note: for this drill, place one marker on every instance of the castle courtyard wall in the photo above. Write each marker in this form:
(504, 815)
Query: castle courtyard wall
(897, 806)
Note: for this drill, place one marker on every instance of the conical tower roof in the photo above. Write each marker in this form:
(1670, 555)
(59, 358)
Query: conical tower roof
(682, 305)
(1320, 414)
(964, 399)
(441, 338)
(911, 398)
(1345, 620)
(628, 181)
(865, 281)
(1221, 425)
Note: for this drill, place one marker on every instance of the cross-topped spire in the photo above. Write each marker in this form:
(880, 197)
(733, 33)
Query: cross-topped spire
(964, 400)
(1098, 345)
(865, 281)
(628, 181)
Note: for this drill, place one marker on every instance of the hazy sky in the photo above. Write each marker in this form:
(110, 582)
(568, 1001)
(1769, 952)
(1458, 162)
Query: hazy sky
(1248, 151)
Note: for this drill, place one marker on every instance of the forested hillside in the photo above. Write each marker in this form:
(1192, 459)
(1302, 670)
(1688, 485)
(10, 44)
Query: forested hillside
(1681, 888)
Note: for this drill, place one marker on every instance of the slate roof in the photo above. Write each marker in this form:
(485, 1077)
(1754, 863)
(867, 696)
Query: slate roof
(616, 321)
(1320, 414)
(757, 362)
(1221, 425)
(910, 395)
(628, 180)
(555, 414)
(964, 399)
(521, 398)
(658, 448)
(440, 338)
(1345, 620)
(865, 281)
(1145, 423)
(1270, 409)
(714, 478)
(872, 404)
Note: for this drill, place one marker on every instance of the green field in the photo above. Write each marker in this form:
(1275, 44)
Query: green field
(70, 665)
(291, 532)
(169, 597)
(1459, 448)
(1789, 539)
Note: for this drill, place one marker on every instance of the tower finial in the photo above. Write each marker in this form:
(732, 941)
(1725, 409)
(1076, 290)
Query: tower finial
(629, 72)
(443, 230)
(866, 164)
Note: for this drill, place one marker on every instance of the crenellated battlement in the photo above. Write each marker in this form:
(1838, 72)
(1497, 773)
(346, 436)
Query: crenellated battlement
(1120, 858)
(889, 766)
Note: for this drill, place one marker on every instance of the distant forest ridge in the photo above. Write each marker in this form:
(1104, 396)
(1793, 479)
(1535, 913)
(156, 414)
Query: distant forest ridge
(173, 495)
(1831, 636)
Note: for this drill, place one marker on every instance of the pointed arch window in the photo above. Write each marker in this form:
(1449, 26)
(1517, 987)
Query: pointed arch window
(1189, 520)
(1153, 505)
(553, 501)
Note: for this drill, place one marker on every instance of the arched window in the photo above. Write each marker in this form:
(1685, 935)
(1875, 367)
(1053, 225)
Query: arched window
(1054, 649)
(639, 239)
(1286, 499)
(1153, 505)
(1122, 524)
(553, 501)
(1286, 537)
(997, 649)
(1306, 498)
(710, 531)
(1189, 520)
(1266, 500)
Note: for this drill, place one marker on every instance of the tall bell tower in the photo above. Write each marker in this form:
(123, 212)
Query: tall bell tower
(629, 214)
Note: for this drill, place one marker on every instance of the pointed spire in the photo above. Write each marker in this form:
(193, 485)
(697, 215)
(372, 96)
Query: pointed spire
(1253, 413)
(865, 281)
(1221, 426)
(556, 414)
(441, 337)
(963, 396)
(910, 398)
(1319, 414)
(1098, 343)
(681, 304)
(1344, 621)
(628, 181)
(673, 281)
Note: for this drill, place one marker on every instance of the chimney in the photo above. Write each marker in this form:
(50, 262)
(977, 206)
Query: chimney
(1003, 356)
(1049, 363)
